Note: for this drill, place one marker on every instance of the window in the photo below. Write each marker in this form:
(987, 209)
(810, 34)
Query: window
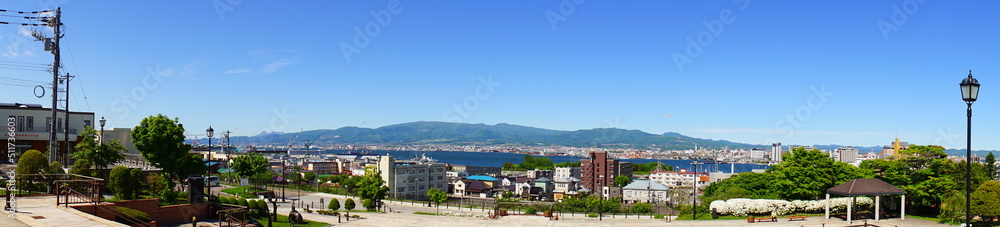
(48, 124)
(31, 123)
(20, 123)
(421, 187)
(86, 123)
(59, 125)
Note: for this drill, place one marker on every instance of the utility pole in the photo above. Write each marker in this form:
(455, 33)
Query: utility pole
(52, 45)
(65, 161)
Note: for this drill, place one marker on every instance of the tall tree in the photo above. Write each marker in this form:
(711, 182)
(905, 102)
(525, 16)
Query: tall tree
(984, 201)
(81, 167)
(372, 188)
(438, 197)
(249, 165)
(161, 141)
(991, 166)
(806, 174)
(622, 180)
(119, 182)
(99, 155)
(349, 205)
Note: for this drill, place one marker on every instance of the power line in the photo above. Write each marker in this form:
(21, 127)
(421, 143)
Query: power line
(40, 70)
(26, 63)
(22, 80)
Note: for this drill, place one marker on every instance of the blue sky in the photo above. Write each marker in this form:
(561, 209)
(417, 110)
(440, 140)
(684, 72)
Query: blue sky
(854, 72)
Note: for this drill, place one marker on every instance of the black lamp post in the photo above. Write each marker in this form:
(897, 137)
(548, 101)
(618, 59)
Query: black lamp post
(208, 168)
(970, 91)
(102, 129)
(226, 148)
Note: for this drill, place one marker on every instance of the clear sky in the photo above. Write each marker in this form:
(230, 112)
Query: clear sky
(847, 72)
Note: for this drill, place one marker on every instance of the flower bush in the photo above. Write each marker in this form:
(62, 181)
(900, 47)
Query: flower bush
(744, 207)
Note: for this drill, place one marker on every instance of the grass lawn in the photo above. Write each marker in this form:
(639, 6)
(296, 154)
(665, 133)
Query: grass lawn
(282, 221)
(243, 191)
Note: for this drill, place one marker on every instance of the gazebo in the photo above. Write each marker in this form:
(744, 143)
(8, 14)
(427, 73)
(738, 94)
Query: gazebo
(869, 187)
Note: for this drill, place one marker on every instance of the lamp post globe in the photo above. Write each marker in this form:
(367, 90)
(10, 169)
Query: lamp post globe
(970, 92)
(102, 129)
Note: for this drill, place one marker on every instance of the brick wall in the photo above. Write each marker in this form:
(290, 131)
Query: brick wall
(174, 214)
(104, 211)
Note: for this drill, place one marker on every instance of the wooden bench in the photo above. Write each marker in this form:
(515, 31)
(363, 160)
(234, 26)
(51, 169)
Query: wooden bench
(767, 219)
(797, 218)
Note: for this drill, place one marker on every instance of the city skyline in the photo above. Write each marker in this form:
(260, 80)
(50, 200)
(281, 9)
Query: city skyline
(859, 73)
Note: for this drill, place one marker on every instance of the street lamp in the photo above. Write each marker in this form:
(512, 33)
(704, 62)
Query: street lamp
(226, 148)
(208, 168)
(102, 129)
(970, 91)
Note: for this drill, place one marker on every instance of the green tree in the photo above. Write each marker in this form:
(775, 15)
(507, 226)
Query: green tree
(161, 141)
(985, 203)
(510, 166)
(119, 182)
(531, 163)
(438, 197)
(742, 185)
(641, 208)
(81, 167)
(137, 177)
(99, 155)
(349, 205)
(622, 180)
(32, 162)
(371, 187)
(953, 207)
(368, 204)
(568, 164)
(334, 204)
(55, 168)
(991, 166)
(250, 165)
(926, 176)
(806, 174)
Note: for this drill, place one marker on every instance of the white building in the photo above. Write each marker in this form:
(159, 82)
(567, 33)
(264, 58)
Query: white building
(776, 152)
(32, 123)
(566, 173)
(847, 154)
(645, 191)
(412, 179)
(674, 179)
(757, 154)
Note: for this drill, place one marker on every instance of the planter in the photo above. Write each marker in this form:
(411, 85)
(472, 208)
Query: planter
(547, 214)
(503, 212)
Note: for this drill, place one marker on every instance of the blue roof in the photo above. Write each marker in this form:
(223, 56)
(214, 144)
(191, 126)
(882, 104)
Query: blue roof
(211, 163)
(481, 177)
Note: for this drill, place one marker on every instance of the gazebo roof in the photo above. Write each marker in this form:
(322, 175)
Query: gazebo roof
(867, 186)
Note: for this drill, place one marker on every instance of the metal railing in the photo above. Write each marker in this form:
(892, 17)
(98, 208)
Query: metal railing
(235, 215)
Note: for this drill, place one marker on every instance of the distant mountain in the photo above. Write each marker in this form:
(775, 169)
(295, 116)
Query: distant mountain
(425, 132)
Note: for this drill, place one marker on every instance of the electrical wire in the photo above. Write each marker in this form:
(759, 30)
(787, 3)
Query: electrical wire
(26, 63)
(22, 80)
(40, 70)
(77, 69)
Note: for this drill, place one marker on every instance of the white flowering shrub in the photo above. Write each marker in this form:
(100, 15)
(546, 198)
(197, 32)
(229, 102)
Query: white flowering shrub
(744, 207)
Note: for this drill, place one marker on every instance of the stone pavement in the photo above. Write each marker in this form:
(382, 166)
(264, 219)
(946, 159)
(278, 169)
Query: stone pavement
(42, 211)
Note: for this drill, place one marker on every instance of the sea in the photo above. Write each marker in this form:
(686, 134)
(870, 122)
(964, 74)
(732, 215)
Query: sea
(497, 159)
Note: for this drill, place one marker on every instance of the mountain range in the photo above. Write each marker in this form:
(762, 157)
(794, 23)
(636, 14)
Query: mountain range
(429, 132)
(426, 132)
